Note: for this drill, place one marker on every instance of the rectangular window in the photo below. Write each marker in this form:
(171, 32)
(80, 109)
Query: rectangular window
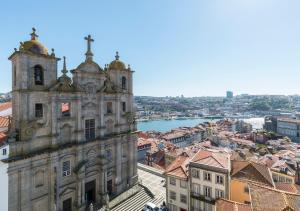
(66, 168)
(172, 195)
(246, 189)
(124, 106)
(109, 108)
(195, 173)
(90, 129)
(183, 184)
(219, 179)
(196, 189)
(183, 198)
(172, 181)
(66, 109)
(38, 110)
(3, 151)
(196, 204)
(207, 191)
(219, 193)
(207, 176)
(172, 207)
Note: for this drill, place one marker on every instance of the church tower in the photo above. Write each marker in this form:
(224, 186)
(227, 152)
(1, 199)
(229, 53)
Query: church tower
(33, 71)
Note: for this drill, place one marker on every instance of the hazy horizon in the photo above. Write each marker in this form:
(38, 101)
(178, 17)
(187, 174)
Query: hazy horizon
(194, 48)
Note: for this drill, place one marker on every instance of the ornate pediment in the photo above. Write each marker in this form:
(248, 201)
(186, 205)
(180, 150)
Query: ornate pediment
(63, 84)
(89, 106)
(67, 190)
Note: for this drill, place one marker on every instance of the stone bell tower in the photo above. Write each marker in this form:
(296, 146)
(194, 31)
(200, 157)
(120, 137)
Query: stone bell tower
(33, 71)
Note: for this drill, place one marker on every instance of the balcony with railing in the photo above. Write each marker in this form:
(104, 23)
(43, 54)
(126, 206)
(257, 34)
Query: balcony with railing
(202, 197)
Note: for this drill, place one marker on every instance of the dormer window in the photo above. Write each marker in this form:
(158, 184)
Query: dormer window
(123, 82)
(38, 75)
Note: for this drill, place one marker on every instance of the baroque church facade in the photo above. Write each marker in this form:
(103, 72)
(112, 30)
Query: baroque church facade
(72, 140)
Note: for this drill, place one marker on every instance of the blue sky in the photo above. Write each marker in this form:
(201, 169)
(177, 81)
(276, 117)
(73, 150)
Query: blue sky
(192, 47)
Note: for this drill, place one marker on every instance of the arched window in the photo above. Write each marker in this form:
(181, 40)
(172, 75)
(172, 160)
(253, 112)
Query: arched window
(123, 82)
(38, 75)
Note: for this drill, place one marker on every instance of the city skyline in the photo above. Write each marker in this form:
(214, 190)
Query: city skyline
(190, 48)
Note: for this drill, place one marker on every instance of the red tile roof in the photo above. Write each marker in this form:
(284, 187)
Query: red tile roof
(216, 159)
(3, 136)
(269, 199)
(227, 205)
(5, 106)
(4, 122)
(288, 187)
(178, 167)
(251, 171)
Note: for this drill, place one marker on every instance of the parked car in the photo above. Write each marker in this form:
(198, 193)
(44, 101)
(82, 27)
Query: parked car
(151, 207)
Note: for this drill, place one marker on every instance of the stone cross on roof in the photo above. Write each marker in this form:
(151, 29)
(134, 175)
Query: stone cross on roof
(117, 55)
(33, 34)
(89, 54)
(64, 70)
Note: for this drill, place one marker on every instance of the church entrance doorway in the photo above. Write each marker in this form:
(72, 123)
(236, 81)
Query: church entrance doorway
(109, 187)
(67, 204)
(90, 192)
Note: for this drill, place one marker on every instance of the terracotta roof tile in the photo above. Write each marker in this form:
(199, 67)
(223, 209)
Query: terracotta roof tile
(5, 106)
(4, 122)
(288, 187)
(3, 136)
(251, 171)
(216, 159)
(227, 205)
(178, 167)
(269, 199)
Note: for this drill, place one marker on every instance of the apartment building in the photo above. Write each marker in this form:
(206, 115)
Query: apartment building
(194, 183)
(289, 127)
(209, 179)
(177, 185)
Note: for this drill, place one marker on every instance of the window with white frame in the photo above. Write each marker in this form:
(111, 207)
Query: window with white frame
(66, 168)
(196, 189)
(195, 173)
(219, 179)
(183, 198)
(207, 191)
(172, 195)
(172, 207)
(219, 193)
(172, 181)
(183, 184)
(195, 203)
(207, 207)
(207, 176)
(4, 151)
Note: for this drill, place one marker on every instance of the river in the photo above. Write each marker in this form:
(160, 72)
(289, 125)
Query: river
(167, 125)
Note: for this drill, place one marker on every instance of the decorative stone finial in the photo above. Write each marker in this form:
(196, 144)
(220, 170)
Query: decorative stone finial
(64, 70)
(21, 46)
(129, 68)
(117, 55)
(89, 54)
(34, 36)
(52, 52)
